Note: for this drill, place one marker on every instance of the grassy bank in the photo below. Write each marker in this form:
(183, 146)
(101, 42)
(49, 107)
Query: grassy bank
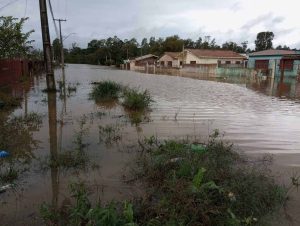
(185, 184)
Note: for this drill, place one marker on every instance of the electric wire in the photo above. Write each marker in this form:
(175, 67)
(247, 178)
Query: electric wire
(53, 18)
(26, 4)
(8, 4)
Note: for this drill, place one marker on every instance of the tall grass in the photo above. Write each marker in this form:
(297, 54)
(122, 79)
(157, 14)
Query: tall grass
(83, 213)
(136, 100)
(105, 90)
(210, 186)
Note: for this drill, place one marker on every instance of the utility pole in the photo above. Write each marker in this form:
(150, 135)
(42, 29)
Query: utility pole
(47, 45)
(61, 44)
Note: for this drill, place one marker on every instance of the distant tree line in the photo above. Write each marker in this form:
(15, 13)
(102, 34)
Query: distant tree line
(113, 50)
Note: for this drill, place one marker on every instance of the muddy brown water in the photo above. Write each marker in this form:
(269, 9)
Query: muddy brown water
(258, 116)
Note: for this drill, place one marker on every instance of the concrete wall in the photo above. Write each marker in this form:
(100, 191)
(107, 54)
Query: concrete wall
(204, 69)
(275, 61)
(236, 72)
(166, 59)
(190, 57)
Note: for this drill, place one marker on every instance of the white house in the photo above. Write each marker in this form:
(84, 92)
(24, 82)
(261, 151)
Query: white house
(220, 58)
(171, 59)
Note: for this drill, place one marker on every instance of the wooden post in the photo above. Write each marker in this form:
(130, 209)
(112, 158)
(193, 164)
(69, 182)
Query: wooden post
(47, 45)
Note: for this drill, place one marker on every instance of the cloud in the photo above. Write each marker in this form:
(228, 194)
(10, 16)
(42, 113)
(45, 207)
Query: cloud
(258, 20)
(227, 20)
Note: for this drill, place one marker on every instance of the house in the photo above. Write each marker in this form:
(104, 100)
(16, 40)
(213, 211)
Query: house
(218, 58)
(272, 61)
(148, 59)
(171, 59)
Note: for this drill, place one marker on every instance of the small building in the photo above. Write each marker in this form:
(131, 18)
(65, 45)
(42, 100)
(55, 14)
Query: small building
(148, 59)
(219, 58)
(171, 59)
(271, 62)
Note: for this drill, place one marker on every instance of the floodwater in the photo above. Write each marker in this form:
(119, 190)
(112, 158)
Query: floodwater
(258, 116)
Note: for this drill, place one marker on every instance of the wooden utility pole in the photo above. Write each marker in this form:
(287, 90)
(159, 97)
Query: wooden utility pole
(47, 46)
(62, 54)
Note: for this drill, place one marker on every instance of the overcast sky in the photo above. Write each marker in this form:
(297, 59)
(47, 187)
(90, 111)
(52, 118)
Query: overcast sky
(225, 20)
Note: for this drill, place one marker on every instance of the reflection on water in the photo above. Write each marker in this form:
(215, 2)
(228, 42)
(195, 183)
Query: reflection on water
(257, 115)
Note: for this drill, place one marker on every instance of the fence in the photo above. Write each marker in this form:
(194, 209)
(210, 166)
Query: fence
(11, 70)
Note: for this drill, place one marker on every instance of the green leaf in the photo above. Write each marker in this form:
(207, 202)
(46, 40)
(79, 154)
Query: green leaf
(198, 178)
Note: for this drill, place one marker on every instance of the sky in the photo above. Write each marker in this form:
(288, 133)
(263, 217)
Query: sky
(224, 20)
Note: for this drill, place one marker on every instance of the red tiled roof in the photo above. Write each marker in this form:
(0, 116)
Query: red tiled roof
(174, 55)
(146, 57)
(273, 52)
(215, 53)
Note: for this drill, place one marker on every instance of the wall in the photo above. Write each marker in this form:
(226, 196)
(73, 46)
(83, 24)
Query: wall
(275, 60)
(236, 72)
(190, 57)
(166, 58)
(205, 69)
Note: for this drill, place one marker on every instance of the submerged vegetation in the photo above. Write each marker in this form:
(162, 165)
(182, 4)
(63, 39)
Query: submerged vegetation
(105, 90)
(194, 184)
(136, 100)
(109, 133)
(16, 138)
(185, 184)
(83, 213)
(8, 101)
(77, 158)
(133, 99)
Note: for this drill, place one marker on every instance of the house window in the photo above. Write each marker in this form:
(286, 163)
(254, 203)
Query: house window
(261, 64)
(193, 62)
(169, 63)
(219, 63)
(162, 63)
(237, 62)
(227, 62)
(181, 63)
(288, 65)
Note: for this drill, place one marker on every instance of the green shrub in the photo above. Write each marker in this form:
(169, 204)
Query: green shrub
(136, 100)
(105, 90)
(214, 186)
(83, 213)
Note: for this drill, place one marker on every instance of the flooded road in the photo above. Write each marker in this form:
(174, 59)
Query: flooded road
(257, 116)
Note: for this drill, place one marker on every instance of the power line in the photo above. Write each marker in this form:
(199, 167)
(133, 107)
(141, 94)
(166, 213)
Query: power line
(8, 4)
(25, 8)
(53, 18)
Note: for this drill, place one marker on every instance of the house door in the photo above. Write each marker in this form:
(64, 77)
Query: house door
(262, 64)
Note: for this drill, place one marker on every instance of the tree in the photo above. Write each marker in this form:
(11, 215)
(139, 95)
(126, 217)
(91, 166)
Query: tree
(13, 41)
(264, 41)
(173, 44)
(56, 46)
(285, 47)
(244, 46)
(233, 47)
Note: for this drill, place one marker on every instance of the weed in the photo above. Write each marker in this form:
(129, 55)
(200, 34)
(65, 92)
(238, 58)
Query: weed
(8, 101)
(71, 159)
(109, 133)
(71, 88)
(83, 213)
(48, 90)
(136, 100)
(9, 175)
(24, 78)
(105, 90)
(211, 187)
